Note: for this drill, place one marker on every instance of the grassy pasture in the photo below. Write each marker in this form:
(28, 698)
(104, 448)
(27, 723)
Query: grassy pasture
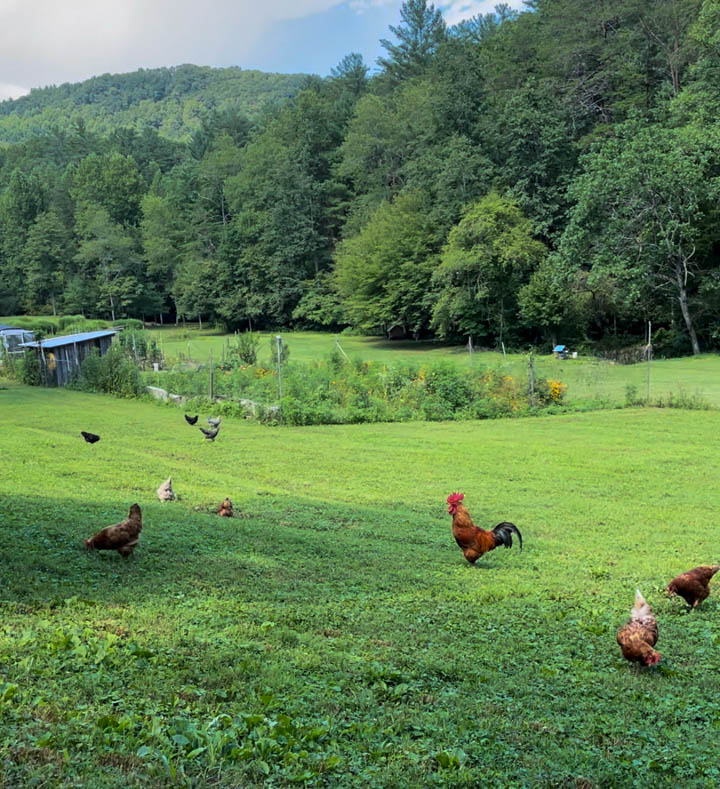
(587, 378)
(332, 634)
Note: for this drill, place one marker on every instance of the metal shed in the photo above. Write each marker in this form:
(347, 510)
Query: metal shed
(60, 356)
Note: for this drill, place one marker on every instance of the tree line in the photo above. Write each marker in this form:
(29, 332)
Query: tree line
(520, 178)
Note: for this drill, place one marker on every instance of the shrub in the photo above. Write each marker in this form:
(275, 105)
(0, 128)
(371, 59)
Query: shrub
(245, 349)
(29, 368)
(113, 373)
(339, 391)
(129, 323)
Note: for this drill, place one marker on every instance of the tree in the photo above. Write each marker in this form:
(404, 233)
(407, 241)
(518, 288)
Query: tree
(113, 182)
(489, 255)
(351, 74)
(422, 30)
(46, 260)
(382, 274)
(107, 255)
(645, 207)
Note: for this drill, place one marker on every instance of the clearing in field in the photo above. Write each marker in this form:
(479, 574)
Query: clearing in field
(331, 633)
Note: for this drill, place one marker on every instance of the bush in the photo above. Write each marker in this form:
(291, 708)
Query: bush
(113, 373)
(67, 320)
(245, 349)
(84, 325)
(29, 369)
(129, 323)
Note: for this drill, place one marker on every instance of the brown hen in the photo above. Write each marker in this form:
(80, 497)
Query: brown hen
(225, 510)
(121, 537)
(638, 637)
(693, 586)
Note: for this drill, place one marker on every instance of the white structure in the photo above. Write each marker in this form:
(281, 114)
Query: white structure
(11, 338)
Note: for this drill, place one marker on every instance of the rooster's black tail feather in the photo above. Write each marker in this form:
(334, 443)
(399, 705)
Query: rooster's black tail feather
(504, 532)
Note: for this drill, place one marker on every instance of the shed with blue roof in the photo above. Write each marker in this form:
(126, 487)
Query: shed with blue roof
(60, 356)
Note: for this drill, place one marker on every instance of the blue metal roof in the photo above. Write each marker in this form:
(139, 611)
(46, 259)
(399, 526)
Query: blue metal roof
(4, 326)
(558, 348)
(69, 339)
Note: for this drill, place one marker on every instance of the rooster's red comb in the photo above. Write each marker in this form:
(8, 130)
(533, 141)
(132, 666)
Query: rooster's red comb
(454, 497)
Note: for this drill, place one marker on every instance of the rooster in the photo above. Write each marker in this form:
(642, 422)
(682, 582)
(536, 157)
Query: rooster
(638, 637)
(475, 542)
(210, 434)
(122, 537)
(225, 510)
(692, 586)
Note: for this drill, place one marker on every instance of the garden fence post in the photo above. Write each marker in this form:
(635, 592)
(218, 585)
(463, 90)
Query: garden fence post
(212, 373)
(648, 354)
(278, 338)
(531, 377)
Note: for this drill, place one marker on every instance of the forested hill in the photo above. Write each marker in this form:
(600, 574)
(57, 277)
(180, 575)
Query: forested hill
(519, 178)
(171, 100)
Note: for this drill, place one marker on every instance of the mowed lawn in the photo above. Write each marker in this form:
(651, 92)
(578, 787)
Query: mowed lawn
(587, 378)
(332, 634)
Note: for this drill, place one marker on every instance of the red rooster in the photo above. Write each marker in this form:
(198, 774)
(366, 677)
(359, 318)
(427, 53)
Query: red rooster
(475, 542)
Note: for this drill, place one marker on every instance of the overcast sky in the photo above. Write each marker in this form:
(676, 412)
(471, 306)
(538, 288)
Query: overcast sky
(47, 42)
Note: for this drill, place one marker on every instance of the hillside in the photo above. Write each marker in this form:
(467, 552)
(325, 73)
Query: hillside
(171, 100)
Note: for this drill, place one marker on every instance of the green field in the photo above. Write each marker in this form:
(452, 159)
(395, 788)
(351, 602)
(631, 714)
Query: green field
(587, 378)
(332, 634)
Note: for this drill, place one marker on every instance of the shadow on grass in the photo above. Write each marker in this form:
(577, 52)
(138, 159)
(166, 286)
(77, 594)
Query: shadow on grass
(282, 543)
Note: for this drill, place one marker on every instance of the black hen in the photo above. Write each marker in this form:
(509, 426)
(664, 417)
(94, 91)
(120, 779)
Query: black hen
(210, 434)
(191, 420)
(91, 438)
(504, 532)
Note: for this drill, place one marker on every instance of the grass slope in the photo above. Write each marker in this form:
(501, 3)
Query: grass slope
(333, 634)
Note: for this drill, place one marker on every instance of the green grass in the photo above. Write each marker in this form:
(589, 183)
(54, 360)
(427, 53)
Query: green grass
(587, 378)
(333, 634)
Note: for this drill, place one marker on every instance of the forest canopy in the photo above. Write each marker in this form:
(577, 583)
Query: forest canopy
(520, 178)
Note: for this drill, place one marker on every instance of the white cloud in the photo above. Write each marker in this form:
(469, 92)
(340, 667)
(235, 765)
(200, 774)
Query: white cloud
(457, 10)
(365, 5)
(52, 41)
(11, 91)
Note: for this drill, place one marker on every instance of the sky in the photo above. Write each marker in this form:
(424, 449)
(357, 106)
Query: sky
(48, 42)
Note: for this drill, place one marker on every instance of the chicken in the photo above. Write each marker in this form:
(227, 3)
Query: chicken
(475, 542)
(638, 637)
(122, 537)
(191, 420)
(692, 586)
(91, 438)
(225, 510)
(165, 492)
(210, 434)
(214, 422)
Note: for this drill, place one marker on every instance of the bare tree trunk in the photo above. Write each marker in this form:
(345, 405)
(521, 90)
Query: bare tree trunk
(682, 300)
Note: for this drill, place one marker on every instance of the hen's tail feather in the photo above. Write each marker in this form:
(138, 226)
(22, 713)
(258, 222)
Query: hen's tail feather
(504, 532)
